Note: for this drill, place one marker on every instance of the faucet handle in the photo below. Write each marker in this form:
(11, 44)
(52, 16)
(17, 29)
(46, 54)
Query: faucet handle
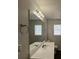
(43, 46)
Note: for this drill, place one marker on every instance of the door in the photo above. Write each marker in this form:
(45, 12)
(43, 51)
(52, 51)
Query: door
(23, 33)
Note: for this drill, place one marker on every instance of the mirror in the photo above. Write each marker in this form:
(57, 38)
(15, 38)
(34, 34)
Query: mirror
(37, 28)
(36, 32)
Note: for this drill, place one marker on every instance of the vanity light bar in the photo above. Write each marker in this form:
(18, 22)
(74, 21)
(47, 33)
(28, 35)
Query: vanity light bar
(38, 14)
(41, 14)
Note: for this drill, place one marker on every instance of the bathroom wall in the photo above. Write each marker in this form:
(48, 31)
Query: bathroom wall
(51, 37)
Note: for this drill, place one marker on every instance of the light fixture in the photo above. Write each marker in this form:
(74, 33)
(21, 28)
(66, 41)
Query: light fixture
(38, 14)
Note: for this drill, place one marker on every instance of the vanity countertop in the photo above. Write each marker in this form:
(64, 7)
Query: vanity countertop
(34, 47)
(46, 52)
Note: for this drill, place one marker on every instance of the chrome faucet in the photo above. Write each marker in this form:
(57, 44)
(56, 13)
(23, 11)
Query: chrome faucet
(43, 46)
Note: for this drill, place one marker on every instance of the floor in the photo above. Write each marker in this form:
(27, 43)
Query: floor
(58, 54)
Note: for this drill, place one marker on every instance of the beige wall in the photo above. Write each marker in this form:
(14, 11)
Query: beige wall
(51, 37)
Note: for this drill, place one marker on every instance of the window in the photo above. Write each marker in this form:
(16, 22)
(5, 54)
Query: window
(57, 29)
(38, 29)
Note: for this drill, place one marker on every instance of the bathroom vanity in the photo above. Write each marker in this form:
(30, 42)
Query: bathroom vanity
(44, 51)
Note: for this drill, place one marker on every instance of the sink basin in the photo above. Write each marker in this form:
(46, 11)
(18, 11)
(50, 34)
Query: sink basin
(34, 47)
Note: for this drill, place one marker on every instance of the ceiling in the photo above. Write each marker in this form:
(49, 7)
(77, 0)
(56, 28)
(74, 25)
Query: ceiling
(50, 8)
